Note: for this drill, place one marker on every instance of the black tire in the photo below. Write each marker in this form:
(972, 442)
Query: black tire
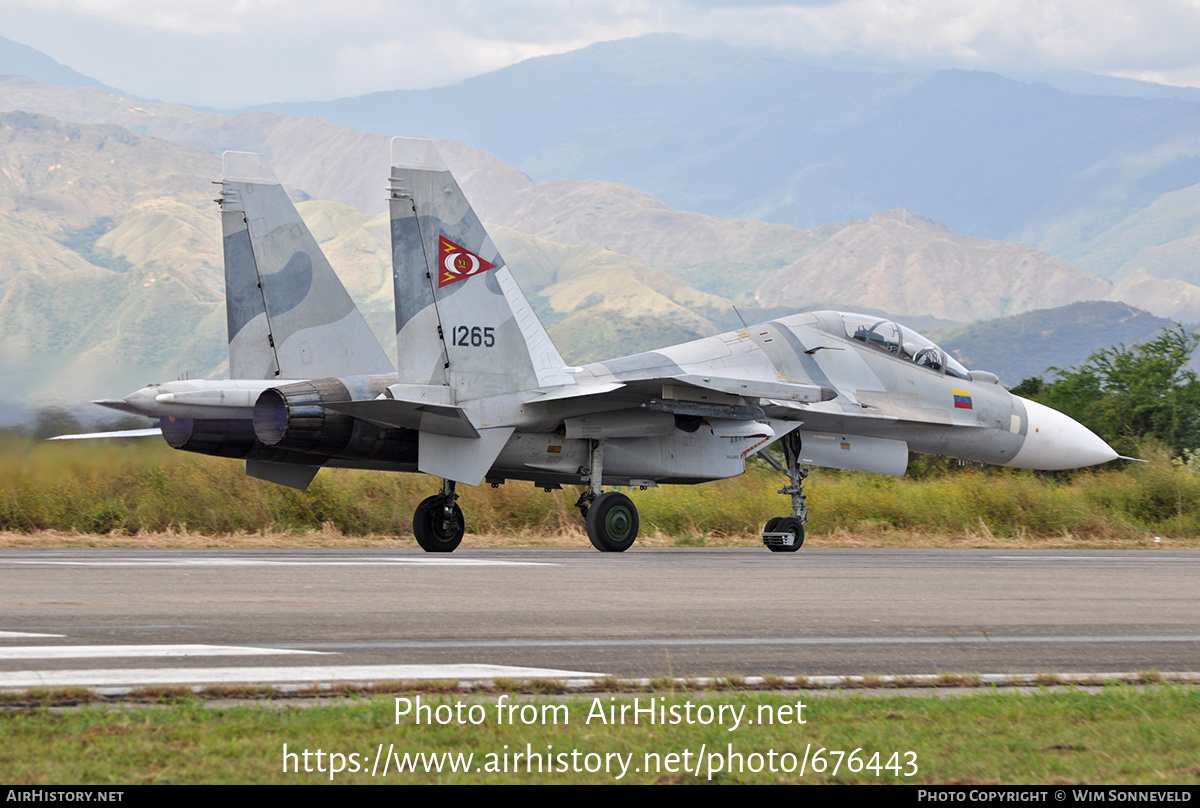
(772, 523)
(612, 523)
(434, 531)
(787, 524)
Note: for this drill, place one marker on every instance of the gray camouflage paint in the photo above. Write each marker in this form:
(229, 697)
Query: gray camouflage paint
(289, 316)
(479, 336)
(516, 393)
(881, 397)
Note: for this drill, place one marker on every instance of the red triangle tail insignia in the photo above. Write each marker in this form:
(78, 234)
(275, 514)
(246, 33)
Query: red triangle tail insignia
(456, 263)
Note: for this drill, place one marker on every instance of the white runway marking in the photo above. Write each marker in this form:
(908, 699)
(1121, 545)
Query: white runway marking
(22, 634)
(1121, 559)
(102, 651)
(415, 561)
(1120, 639)
(278, 675)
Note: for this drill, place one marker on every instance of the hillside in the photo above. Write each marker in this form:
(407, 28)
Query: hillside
(110, 266)
(1025, 345)
(745, 133)
(1161, 240)
(21, 60)
(109, 274)
(326, 160)
(331, 162)
(1087, 168)
(899, 262)
(719, 256)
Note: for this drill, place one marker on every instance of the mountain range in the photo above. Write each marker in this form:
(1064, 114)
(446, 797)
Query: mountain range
(109, 243)
(745, 133)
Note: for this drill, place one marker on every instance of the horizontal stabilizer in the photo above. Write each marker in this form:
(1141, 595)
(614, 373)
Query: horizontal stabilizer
(288, 474)
(464, 460)
(433, 418)
(120, 433)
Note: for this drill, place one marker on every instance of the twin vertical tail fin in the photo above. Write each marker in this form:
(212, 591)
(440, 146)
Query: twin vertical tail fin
(461, 319)
(289, 315)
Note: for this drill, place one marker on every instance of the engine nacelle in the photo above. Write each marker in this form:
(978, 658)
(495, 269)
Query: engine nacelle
(211, 436)
(292, 417)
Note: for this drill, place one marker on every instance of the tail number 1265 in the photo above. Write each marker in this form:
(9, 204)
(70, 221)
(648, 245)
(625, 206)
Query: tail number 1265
(473, 336)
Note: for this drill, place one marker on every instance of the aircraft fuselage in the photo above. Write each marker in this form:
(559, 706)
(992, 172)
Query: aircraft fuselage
(883, 405)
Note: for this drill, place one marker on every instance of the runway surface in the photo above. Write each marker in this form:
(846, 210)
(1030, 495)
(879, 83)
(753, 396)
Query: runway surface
(116, 617)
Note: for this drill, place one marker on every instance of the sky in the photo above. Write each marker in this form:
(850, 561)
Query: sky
(232, 53)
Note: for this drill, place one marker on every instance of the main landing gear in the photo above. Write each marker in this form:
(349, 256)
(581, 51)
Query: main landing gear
(438, 522)
(611, 518)
(785, 534)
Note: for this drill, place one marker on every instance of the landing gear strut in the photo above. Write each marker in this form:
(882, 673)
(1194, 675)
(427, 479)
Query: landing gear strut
(611, 518)
(785, 534)
(438, 522)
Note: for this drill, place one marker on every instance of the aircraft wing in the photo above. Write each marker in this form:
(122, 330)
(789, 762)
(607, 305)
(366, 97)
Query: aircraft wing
(788, 400)
(437, 419)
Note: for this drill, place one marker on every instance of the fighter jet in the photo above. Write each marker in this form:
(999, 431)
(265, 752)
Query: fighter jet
(479, 393)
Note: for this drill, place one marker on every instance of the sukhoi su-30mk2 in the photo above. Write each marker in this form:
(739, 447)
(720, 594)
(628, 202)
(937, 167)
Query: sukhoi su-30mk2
(480, 394)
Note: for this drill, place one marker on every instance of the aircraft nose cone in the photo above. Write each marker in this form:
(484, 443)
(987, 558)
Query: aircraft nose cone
(1056, 441)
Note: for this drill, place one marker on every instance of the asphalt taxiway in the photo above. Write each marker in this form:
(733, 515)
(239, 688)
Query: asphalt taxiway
(558, 613)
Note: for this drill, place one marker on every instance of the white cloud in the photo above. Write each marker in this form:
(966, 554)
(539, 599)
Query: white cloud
(235, 52)
(1095, 35)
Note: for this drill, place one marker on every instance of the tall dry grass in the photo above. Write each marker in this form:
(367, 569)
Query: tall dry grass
(141, 486)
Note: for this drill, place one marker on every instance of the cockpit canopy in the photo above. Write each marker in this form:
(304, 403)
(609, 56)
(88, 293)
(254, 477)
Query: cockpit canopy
(902, 342)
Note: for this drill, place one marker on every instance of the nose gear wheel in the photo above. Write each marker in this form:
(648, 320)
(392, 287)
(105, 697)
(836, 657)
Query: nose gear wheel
(785, 534)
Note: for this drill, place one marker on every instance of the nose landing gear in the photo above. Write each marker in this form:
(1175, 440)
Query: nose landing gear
(785, 534)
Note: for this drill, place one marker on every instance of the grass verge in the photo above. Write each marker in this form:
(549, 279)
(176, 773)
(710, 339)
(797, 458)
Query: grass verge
(1116, 735)
(146, 495)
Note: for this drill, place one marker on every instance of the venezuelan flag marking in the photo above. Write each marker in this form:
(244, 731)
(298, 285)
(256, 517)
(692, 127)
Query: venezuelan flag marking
(962, 399)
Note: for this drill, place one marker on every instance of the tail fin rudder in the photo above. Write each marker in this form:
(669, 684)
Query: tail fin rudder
(289, 315)
(461, 318)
